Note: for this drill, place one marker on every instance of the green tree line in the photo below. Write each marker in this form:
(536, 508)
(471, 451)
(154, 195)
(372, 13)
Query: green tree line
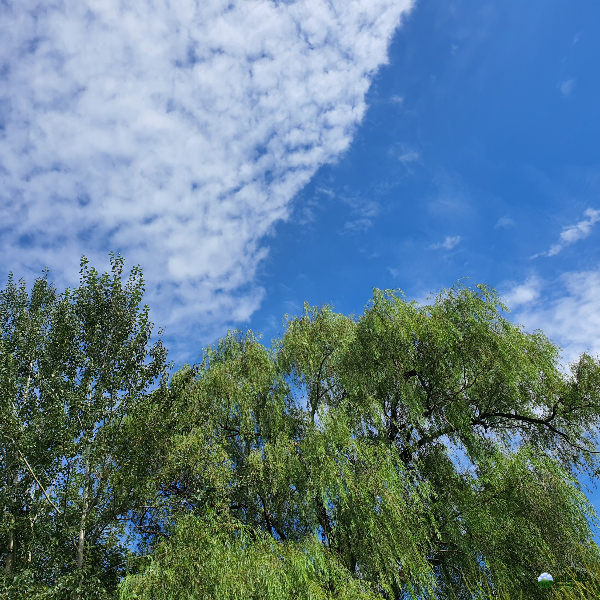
(118, 481)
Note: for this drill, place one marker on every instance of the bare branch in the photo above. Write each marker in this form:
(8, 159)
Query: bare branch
(36, 479)
(545, 422)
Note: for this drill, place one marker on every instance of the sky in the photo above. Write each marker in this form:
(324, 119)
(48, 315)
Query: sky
(254, 155)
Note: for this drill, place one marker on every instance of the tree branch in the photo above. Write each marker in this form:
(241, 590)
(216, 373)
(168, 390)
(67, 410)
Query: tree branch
(266, 514)
(316, 404)
(545, 422)
(150, 530)
(36, 479)
(42, 487)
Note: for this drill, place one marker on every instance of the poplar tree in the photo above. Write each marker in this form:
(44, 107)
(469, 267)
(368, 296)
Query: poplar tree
(72, 367)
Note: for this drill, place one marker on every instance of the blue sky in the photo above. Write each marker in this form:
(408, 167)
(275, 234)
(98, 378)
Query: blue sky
(254, 155)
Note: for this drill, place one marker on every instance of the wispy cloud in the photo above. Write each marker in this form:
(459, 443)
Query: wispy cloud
(453, 197)
(574, 233)
(304, 213)
(405, 154)
(325, 191)
(357, 226)
(371, 255)
(364, 210)
(176, 134)
(448, 243)
(572, 320)
(408, 157)
(292, 307)
(504, 222)
(566, 87)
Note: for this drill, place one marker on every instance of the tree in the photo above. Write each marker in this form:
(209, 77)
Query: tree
(356, 495)
(72, 369)
(240, 491)
(22, 420)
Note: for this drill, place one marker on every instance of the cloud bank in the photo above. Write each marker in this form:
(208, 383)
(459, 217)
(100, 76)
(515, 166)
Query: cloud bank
(175, 133)
(571, 320)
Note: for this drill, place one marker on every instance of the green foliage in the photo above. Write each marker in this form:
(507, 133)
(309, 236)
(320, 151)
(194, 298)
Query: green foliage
(71, 368)
(238, 489)
(207, 558)
(365, 464)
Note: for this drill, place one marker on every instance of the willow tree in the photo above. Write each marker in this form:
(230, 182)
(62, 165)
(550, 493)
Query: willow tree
(352, 492)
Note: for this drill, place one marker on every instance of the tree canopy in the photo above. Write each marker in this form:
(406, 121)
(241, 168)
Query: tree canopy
(71, 368)
(363, 470)
(238, 488)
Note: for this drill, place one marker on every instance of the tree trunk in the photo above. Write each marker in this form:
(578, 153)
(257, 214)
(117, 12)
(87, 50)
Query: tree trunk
(81, 540)
(10, 557)
(11, 548)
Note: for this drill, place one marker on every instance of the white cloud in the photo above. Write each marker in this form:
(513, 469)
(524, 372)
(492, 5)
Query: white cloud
(576, 232)
(404, 153)
(357, 226)
(572, 320)
(448, 243)
(364, 210)
(566, 87)
(523, 294)
(504, 222)
(176, 134)
(408, 157)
